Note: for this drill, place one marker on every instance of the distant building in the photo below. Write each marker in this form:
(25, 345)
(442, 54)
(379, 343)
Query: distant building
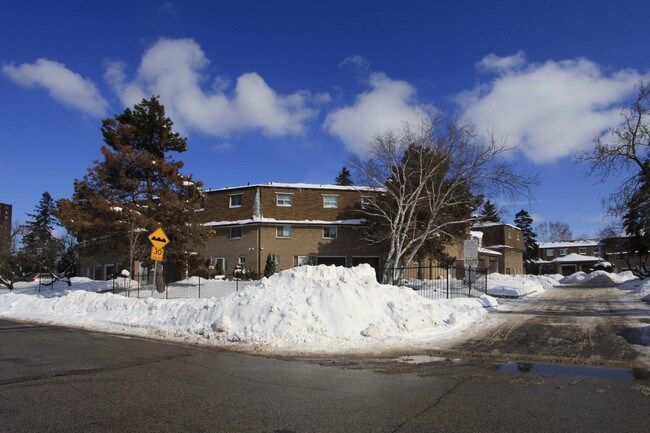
(5, 225)
(507, 241)
(568, 257)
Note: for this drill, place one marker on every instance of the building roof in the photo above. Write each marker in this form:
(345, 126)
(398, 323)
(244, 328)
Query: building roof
(573, 257)
(300, 186)
(569, 244)
(488, 252)
(492, 224)
(350, 222)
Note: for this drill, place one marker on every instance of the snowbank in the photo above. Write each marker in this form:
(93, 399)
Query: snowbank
(598, 276)
(306, 309)
(516, 286)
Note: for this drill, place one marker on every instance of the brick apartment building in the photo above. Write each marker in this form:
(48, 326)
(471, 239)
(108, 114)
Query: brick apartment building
(507, 241)
(294, 223)
(572, 256)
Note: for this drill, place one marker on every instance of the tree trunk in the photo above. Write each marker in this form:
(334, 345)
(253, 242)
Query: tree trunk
(160, 279)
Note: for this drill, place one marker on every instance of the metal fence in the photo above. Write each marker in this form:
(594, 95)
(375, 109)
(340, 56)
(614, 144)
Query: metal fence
(438, 282)
(142, 286)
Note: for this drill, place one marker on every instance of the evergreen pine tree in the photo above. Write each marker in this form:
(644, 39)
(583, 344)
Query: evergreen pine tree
(136, 189)
(40, 249)
(524, 221)
(344, 178)
(489, 213)
(269, 269)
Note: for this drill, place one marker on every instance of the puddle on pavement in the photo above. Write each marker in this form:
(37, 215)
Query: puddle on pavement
(575, 371)
(424, 359)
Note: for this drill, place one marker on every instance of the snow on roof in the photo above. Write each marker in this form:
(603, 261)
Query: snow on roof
(354, 222)
(573, 257)
(488, 252)
(569, 244)
(493, 224)
(507, 247)
(300, 186)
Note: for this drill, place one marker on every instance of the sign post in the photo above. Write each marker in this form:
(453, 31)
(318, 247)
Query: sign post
(470, 260)
(158, 239)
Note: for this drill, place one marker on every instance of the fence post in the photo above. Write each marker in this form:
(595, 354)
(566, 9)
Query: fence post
(448, 281)
(199, 286)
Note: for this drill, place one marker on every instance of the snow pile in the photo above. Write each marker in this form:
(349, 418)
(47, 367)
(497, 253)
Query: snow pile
(636, 285)
(322, 308)
(599, 277)
(574, 278)
(514, 286)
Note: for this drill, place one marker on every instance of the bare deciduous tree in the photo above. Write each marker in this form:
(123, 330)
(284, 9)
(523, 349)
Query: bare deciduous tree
(431, 174)
(554, 231)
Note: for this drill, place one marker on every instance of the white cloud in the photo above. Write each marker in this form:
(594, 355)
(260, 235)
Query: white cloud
(387, 105)
(222, 147)
(172, 68)
(550, 110)
(357, 61)
(65, 86)
(495, 63)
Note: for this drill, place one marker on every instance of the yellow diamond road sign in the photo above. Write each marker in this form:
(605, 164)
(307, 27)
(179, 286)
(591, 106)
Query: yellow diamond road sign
(159, 238)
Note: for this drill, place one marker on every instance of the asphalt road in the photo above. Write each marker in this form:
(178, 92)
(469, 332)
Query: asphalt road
(65, 380)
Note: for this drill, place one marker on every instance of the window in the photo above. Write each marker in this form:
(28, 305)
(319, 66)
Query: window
(235, 232)
(582, 250)
(509, 234)
(330, 201)
(549, 253)
(201, 205)
(563, 251)
(302, 260)
(597, 251)
(242, 260)
(364, 203)
(283, 199)
(235, 200)
(282, 231)
(517, 232)
(276, 259)
(220, 264)
(329, 232)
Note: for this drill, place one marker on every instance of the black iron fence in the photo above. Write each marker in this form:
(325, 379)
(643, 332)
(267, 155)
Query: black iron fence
(438, 282)
(142, 286)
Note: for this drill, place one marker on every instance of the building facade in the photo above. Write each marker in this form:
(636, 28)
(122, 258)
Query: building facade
(508, 241)
(295, 224)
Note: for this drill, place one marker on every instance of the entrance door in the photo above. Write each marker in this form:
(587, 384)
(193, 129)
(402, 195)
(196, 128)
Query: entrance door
(568, 270)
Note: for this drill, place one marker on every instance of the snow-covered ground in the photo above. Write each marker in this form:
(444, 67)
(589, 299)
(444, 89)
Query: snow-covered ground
(310, 309)
(323, 309)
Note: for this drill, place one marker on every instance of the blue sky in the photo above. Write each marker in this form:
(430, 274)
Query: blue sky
(287, 90)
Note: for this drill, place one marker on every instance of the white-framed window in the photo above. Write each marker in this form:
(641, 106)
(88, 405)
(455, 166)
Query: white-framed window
(330, 201)
(597, 251)
(235, 200)
(509, 234)
(330, 232)
(276, 259)
(302, 260)
(283, 199)
(582, 250)
(282, 231)
(242, 260)
(235, 232)
(517, 233)
(563, 251)
(549, 253)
